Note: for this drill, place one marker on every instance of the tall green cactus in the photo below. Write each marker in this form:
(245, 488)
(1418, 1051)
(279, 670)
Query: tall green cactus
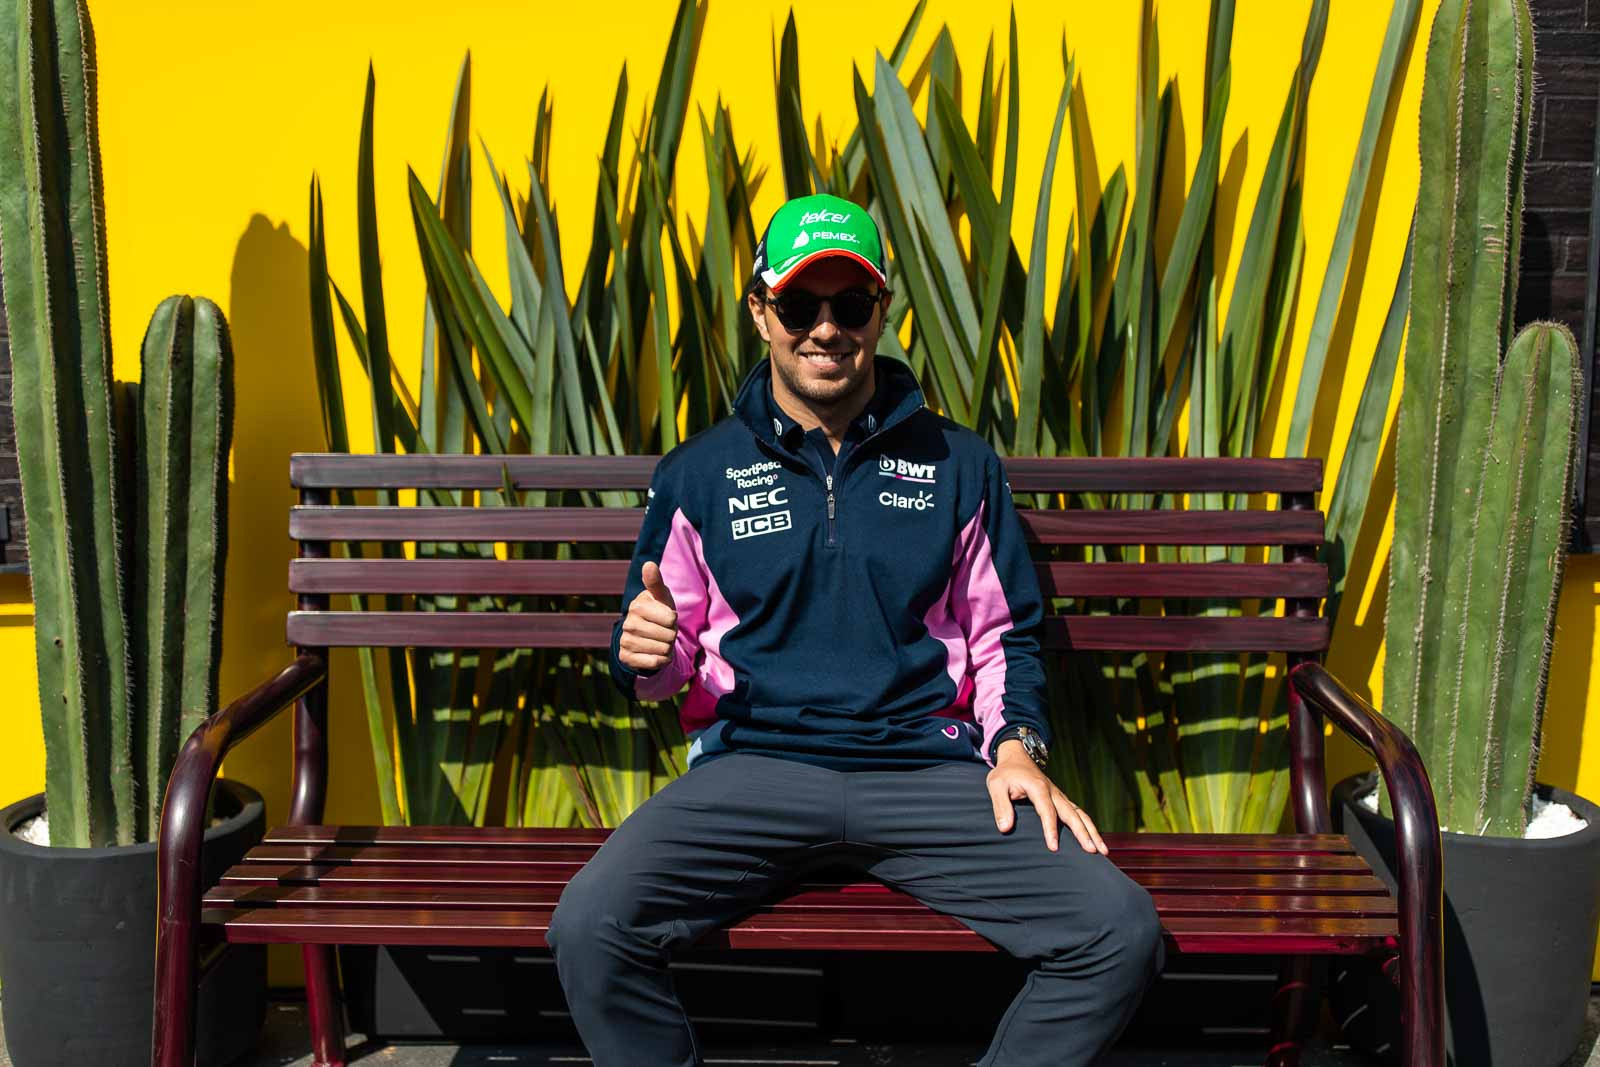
(185, 426)
(1481, 533)
(110, 595)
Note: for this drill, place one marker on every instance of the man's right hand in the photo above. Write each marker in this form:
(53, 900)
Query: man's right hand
(651, 628)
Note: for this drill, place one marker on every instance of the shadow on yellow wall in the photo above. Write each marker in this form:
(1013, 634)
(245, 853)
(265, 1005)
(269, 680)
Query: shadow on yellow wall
(278, 413)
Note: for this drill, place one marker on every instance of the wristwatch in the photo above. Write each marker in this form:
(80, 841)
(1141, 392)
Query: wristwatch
(1032, 743)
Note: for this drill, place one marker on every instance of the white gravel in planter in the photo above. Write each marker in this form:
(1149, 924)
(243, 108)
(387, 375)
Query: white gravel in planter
(36, 831)
(1550, 818)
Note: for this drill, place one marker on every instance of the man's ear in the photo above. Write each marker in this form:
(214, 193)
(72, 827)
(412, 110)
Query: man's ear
(753, 301)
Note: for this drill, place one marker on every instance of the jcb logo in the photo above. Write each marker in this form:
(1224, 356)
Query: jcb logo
(890, 467)
(767, 522)
(767, 498)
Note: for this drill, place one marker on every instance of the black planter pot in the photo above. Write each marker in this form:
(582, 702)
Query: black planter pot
(1520, 919)
(77, 946)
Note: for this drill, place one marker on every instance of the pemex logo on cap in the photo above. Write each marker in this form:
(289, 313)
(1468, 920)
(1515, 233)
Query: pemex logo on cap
(813, 227)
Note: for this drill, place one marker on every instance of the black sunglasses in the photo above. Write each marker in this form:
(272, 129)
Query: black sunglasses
(797, 308)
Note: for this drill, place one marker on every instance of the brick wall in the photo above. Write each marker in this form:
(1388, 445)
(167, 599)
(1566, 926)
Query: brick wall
(1557, 279)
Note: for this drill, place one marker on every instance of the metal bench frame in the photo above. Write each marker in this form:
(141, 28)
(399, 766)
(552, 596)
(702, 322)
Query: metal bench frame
(196, 923)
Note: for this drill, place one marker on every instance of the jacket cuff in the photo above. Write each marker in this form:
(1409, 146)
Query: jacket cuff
(1008, 732)
(1005, 734)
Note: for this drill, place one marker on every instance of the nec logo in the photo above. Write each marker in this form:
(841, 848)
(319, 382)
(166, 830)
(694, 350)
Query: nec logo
(904, 470)
(767, 498)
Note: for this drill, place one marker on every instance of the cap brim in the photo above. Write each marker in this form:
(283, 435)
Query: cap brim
(776, 283)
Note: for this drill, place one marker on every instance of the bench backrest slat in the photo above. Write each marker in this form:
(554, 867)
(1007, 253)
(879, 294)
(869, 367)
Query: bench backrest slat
(1084, 633)
(1064, 474)
(1078, 527)
(606, 576)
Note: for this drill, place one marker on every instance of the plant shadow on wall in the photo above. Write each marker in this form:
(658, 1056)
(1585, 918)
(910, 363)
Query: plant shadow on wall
(274, 374)
(646, 344)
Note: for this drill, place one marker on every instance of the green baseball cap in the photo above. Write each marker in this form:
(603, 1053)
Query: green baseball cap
(809, 228)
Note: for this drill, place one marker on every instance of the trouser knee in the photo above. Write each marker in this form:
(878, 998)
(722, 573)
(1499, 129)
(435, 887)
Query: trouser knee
(1116, 939)
(1133, 938)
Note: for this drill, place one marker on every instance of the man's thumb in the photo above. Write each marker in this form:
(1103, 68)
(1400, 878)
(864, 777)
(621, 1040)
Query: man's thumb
(656, 586)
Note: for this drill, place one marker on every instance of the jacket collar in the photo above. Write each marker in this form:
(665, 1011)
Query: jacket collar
(896, 397)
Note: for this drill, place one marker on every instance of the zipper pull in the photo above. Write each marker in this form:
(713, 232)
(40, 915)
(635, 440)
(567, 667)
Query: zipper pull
(830, 496)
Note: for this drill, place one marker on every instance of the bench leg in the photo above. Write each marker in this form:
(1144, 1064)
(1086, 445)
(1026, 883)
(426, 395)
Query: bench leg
(323, 1007)
(173, 1034)
(1294, 1008)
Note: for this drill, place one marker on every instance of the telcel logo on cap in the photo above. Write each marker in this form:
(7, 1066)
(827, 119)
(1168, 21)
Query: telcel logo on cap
(823, 216)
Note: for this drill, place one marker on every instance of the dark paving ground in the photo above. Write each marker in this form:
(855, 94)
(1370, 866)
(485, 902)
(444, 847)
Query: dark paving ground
(285, 1042)
(286, 1045)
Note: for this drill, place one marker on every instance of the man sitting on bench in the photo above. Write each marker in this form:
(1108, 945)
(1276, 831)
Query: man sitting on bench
(839, 575)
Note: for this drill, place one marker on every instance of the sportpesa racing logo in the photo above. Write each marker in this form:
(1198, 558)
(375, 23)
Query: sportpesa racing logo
(755, 475)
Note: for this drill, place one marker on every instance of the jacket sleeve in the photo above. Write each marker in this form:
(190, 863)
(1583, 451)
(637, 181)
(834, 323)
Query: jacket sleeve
(669, 539)
(997, 602)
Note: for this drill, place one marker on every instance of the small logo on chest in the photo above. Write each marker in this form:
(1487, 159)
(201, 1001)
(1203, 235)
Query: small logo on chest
(921, 502)
(905, 470)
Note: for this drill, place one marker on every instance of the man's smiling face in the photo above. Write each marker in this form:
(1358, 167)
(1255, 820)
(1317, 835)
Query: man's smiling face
(824, 366)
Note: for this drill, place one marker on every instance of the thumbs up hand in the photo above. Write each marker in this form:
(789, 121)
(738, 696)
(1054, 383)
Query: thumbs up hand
(651, 628)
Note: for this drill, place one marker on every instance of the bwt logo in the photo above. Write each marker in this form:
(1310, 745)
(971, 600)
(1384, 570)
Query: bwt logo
(890, 467)
(767, 522)
(767, 498)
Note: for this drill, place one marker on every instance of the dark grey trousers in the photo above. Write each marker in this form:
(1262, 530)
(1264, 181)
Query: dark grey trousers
(706, 848)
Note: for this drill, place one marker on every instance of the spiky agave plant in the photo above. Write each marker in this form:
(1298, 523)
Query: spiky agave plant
(124, 486)
(1186, 742)
(1133, 334)
(1479, 546)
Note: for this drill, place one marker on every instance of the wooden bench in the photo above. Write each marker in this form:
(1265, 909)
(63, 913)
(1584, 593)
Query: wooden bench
(1304, 895)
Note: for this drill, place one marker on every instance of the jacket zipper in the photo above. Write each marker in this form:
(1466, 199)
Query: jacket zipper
(839, 462)
(830, 510)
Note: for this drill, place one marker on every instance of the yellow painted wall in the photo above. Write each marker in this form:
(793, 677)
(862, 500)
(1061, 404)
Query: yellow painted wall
(214, 116)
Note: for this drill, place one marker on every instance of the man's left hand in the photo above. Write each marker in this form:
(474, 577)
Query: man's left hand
(1015, 776)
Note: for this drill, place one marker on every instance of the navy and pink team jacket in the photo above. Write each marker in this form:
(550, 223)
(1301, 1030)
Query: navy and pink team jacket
(872, 610)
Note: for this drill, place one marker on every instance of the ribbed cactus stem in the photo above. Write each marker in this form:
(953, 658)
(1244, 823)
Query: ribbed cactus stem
(1478, 545)
(1516, 577)
(127, 543)
(52, 239)
(1471, 166)
(186, 426)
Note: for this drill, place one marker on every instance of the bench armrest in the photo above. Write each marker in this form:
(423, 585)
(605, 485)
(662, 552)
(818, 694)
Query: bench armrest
(1417, 850)
(183, 807)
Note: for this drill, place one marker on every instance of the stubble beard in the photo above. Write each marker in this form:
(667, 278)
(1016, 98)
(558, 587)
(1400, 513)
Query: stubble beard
(825, 394)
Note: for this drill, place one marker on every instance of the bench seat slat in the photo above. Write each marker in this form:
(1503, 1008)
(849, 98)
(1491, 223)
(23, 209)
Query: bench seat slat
(471, 855)
(1098, 474)
(606, 577)
(1083, 633)
(925, 931)
(558, 874)
(1128, 526)
(531, 836)
(829, 898)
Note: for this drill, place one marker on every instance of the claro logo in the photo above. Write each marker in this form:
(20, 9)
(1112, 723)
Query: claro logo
(921, 502)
